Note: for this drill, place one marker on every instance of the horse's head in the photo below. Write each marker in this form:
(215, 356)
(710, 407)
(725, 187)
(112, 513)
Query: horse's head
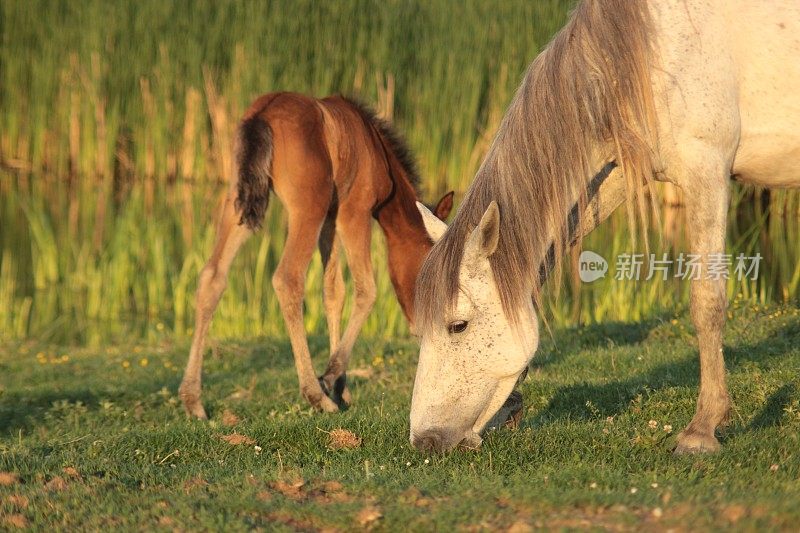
(471, 359)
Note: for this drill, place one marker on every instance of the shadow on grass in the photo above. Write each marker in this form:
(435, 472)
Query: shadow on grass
(260, 358)
(773, 410)
(596, 336)
(611, 399)
(23, 411)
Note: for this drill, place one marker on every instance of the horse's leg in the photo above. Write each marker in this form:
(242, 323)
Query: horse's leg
(289, 284)
(213, 280)
(355, 233)
(333, 282)
(707, 202)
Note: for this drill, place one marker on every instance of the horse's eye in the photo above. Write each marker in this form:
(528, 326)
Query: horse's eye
(457, 327)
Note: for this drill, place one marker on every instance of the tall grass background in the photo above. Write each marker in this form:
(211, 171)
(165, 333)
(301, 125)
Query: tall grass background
(116, 127)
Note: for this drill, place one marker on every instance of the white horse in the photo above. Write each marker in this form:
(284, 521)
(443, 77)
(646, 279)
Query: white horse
(697, 93)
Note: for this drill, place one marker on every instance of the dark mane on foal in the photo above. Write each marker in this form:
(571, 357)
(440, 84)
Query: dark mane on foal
(395, 140)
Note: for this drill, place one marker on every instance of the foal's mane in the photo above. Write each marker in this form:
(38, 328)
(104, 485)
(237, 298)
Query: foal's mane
(585, 99)
(395, 142)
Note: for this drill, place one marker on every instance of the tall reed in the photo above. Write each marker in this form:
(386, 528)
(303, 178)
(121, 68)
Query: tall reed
(116, 128)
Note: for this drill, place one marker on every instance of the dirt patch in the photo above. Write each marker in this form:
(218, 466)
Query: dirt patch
(194, 483)
(364, 372)
(299, 524)
(16, 521)
(733, 513)
(56, 484)
(72, 473)
(343, 439)
(291, 489)
(229, 418)
(368, 515)
(18, 501)
(237, 439)
(329, 492)
(413, 496)
(520, 526)
(8, 478)
(297, 489)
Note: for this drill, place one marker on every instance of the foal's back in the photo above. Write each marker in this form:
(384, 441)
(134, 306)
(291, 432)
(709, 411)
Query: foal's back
(322, 149)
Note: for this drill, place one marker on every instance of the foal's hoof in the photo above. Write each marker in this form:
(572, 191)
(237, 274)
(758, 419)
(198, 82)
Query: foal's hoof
(326, 404)
(195, 409)
(318, 400)
(690, 442)
(336, 389)
(192, 404)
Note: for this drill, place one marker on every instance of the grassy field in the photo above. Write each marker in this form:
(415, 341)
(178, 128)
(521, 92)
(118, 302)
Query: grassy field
(115, 145)
(96, 438)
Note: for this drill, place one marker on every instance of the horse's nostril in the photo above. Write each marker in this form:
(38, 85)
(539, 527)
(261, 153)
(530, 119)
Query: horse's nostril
(427, 441)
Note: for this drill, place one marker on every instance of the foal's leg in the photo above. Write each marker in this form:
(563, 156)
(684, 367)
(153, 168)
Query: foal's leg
(213, 280)
(333, 282)
(289, 283)
(707, 218)
(355, 232)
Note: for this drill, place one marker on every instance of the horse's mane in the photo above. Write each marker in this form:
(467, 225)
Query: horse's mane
(394, 140)
(587, 97)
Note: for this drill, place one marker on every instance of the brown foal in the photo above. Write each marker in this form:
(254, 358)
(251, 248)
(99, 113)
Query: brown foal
(335, 166)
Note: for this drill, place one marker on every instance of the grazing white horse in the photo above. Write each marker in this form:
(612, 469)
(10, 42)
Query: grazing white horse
(697, 93)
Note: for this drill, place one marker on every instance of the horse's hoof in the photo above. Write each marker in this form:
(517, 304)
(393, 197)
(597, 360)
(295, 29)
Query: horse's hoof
(693, 443)
(346, 398)
(319, 399)
(327, 405)
(336, 389)
(196, 411)
(192, 405)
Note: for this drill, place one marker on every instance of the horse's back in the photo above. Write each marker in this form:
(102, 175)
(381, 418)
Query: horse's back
(765, 44)
(731, 82)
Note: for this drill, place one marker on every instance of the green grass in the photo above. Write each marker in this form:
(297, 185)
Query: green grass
(584, 456)
(114, 132)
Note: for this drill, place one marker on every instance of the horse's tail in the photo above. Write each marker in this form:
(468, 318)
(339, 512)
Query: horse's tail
(254, 159)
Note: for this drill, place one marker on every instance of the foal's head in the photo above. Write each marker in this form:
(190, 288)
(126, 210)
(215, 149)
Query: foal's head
(472, 355)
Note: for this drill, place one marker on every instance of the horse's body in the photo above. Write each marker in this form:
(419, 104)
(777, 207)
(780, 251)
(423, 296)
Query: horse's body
(335, 167)
(695, 93)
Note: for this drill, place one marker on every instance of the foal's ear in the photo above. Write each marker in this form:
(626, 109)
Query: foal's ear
(433, 225)
(484, 238)
(445, 205)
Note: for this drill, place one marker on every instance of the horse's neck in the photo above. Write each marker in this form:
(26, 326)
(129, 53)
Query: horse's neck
(407, 241)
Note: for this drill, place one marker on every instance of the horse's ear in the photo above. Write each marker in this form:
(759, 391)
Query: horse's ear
(484, 238)
(445, 205)
(433, 225)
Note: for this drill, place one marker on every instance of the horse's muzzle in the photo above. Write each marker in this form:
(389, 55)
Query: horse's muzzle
(439, 440)
(435, 440)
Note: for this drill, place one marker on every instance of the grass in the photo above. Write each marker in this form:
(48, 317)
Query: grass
(96, 438)
(115, 145)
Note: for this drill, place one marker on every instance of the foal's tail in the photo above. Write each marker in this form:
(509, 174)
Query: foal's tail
(254, 159)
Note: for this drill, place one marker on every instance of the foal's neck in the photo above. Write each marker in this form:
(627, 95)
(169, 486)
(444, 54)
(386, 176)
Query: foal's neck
(407, 240)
